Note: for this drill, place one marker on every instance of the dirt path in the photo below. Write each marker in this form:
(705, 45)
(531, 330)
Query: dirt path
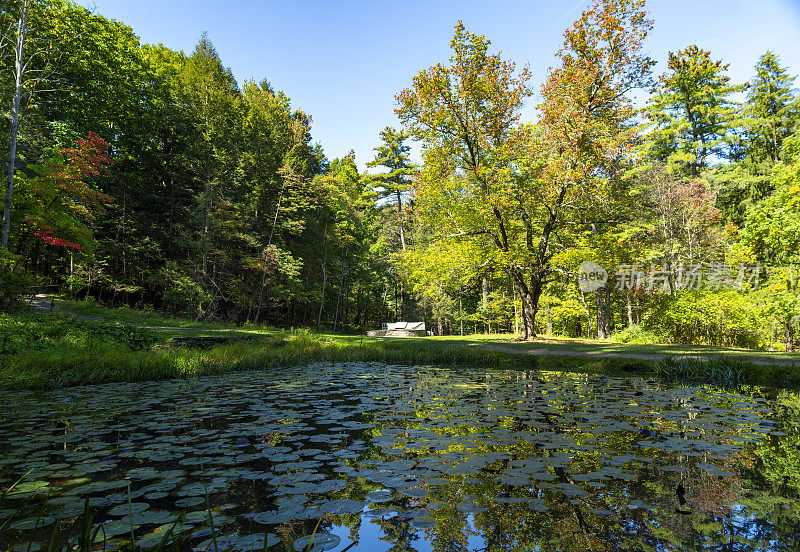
(46, 303)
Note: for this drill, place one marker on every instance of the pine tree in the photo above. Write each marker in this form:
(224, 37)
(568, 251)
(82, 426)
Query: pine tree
(771, 109)
(691, 112)
(393, 154)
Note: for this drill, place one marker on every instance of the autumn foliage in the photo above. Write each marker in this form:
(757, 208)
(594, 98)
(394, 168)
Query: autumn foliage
(62, 196)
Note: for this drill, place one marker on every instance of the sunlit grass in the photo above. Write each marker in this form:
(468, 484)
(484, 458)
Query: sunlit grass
(52, 350)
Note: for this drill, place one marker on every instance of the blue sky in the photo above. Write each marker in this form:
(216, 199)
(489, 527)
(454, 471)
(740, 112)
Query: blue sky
(342, 61)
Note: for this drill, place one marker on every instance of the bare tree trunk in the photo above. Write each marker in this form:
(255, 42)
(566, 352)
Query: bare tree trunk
(588, 315)
(516, 314)
(599, 313)
(339, 297)
(324, 274)
(630, 308)
(460, 313)
(400, 220)
(395, 300)
(22, 30)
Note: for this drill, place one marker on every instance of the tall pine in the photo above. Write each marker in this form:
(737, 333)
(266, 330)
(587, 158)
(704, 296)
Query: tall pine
(691, 112)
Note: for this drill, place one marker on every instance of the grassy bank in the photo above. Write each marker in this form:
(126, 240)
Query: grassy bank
(53, 350)
(81, 357)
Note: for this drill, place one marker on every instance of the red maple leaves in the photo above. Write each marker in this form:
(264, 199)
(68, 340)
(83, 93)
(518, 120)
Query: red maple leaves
(65, 197)
(49, 239)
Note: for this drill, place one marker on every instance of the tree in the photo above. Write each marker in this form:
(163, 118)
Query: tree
(60, 202)
(19, 68)
(465, 114)
(691, 113)
(514, 187)
(211, 93)
(771, 235)
(770, 110)
(393, 154)
(686, 222)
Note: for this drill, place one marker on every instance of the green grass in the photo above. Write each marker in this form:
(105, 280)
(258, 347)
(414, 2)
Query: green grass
(130, 315)
(53, 350)
(551, 343)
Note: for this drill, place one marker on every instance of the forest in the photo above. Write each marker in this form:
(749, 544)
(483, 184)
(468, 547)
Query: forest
(142, 176)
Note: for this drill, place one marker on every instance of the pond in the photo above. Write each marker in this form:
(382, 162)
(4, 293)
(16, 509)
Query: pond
(366, 456)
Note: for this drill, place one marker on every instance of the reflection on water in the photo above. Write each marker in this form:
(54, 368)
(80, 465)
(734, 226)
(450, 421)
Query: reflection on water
(404, 459)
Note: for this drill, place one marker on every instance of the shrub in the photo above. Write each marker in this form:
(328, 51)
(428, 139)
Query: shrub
(637, 335)
(720, 318)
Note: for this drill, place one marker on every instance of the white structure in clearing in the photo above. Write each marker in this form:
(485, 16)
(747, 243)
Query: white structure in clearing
(400, 329)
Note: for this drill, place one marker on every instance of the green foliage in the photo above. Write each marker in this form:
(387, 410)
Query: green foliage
(13, 284)
(21, 333)
(723, 372)
(771, 232)
(771, 110)
(721, 318)
(636, 334)
(224, 208)
(691, 112)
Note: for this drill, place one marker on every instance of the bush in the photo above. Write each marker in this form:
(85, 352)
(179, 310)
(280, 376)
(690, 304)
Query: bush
(636, 335)
(13, 286)
(36, 332)
(719, 318)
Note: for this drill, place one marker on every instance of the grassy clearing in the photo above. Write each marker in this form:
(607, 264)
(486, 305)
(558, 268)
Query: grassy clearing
(90, 360)
(548, 343)
(130, 315)
(53, 350)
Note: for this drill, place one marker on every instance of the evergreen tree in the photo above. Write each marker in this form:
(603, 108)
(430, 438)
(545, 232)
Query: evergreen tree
(390, 186)
(771, 109)
(691, 113)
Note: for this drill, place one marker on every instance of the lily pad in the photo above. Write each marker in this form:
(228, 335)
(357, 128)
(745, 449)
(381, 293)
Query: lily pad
(321, 542)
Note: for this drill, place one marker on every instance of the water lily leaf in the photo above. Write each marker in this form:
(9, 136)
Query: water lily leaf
(28, 524)
(240, 543)
(321, 542)
(26, 547)
(125, 509)
(147, 517)
(344, 506)
(189, 502)
(470, 508)
(379, 495)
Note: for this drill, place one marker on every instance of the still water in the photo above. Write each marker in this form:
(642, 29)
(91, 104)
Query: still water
(401, 459)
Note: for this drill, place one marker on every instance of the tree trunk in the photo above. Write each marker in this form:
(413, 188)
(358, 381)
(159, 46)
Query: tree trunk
(516, 314)
(630, 308)
(22, 30)
(528, 311)
(602, 310)
(324, 273)
(339, 297)
(460, 314)
(395, 300)
(400, 220)
(207, 211)
(588, 315)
